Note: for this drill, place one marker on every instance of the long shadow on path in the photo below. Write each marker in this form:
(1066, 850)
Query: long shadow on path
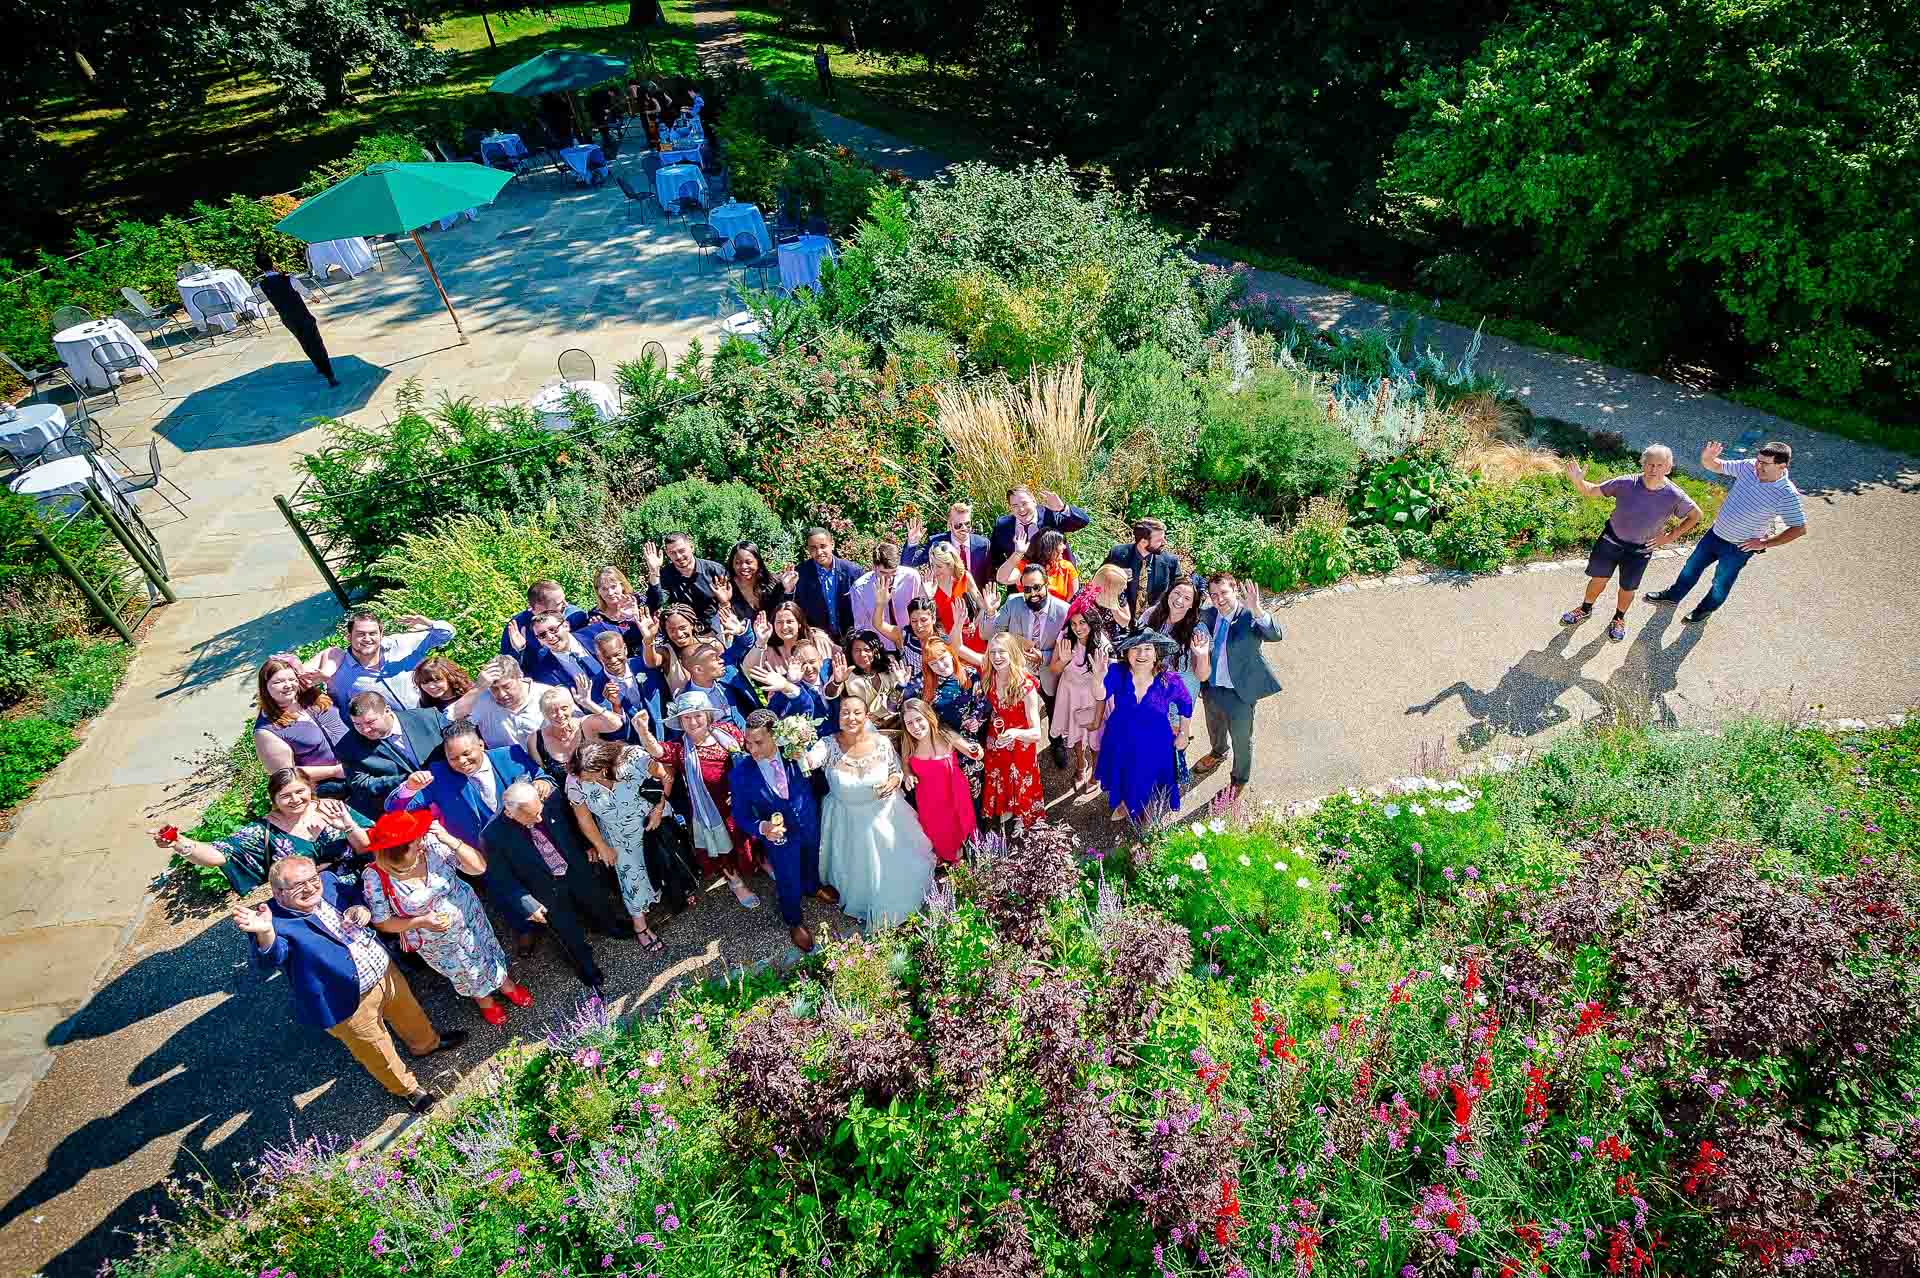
(267, 405)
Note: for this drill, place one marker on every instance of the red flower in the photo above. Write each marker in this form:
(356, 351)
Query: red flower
(1259, 1012)
(1611, 1148)
(1463, 1102)
(1706, 1165)
(1483, 1071)
(1211, 1076)
(1226, 1217)
(1592, 1017)
(1624, 1186)
(1306, 1242)
(1536, 1101)
(1471, 982)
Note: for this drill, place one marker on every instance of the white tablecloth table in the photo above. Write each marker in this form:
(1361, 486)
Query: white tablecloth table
(668, 181)
(581, 160)
(59, 485)
(506, 146)
(551, 403)
(350, 255)
(743, 324)
(670, 154)
(800, 261)
(229, 283)
(734, 218)
(31, 429)
(77, 346)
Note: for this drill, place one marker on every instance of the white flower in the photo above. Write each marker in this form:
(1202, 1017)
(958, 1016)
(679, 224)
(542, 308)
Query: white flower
(1303, 883)
(1447, 970)
(1217, 826)
(1279, 867)
(1393, 810)
(1325, 935)
(1198, 861)
(1480, 999)
(1173, 880)
(1245, 860)
(1459, 805)
(1416, 809)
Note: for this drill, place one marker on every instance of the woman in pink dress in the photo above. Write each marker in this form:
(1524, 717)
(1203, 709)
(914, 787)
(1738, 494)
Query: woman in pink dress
(1080, 658)
(939, 789)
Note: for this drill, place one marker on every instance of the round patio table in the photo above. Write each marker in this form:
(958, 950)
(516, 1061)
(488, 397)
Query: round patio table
(668, 181)
(59, 485)
(78, 345)
(32, 427)
(350, 255)
(734, 219)
(230, 284)
(585, 161)
(550, 404)
(800, 261)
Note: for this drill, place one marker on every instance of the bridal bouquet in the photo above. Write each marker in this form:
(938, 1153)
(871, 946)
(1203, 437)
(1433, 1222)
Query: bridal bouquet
(796, 735)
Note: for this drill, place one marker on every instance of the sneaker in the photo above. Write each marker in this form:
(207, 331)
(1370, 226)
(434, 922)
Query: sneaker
(1617, 631)
(1696, 617)
(421, 1100)
(1574, 616)
(1661, 596)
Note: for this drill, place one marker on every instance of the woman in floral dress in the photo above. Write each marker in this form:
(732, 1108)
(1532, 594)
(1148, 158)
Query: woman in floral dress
(608, 786)
(1080, 658)
(414, 890)
(296, 825)
(1014, 736)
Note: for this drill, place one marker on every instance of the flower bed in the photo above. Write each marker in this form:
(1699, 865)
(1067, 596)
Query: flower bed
(1255, 1046)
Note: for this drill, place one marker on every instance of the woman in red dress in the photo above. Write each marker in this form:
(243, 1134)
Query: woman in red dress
(1012, 790)
(705, 751)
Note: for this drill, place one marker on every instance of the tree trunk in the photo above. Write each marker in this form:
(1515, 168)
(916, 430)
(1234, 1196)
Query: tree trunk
(489, 26)
(84, 67)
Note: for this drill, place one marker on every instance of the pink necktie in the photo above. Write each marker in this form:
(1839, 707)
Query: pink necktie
(548, 853)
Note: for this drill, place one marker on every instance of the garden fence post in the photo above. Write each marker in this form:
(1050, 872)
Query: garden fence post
(135, 548)
(313, 552)
(107, 614)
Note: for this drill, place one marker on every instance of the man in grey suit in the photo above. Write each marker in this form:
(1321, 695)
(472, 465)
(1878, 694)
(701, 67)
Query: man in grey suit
(1240, 677)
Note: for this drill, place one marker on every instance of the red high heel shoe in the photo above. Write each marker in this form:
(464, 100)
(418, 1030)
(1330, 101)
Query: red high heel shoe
(519, 996)
(494, 1014)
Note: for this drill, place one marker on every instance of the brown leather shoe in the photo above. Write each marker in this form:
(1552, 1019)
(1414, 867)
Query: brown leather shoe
(1208, 762)
(828, 894)
(801, 938)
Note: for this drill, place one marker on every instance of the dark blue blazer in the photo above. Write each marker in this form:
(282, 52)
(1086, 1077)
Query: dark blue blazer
(576, 620)
(653, 699)
(1067, 520)
(810, 702)
(753, 801)
(831, 611)
(455, 798)
(542, 666)
(977, 555)
(321, 976)
(376, 768)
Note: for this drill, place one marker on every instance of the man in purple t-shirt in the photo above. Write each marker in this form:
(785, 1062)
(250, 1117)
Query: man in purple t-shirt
(1642, 505)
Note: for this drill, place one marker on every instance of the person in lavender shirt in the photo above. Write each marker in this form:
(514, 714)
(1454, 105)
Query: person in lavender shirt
(374, 661)
(1642, 505)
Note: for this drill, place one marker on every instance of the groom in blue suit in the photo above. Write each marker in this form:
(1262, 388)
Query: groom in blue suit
(765, 786)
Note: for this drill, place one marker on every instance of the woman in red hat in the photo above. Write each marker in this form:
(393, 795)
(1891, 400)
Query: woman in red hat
(414, 890)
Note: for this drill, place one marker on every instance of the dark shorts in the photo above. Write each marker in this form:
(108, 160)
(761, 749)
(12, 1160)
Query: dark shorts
(1630, 557)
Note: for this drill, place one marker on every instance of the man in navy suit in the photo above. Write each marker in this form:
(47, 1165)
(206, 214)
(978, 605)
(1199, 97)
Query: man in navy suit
(1241, 678)
(822, 585)
(463, 789)
(975, 551)
(772, 797)
(383, 748)
(542, 596)
(558, 658)
(316, 930)
(1032, 513)
(539, 874)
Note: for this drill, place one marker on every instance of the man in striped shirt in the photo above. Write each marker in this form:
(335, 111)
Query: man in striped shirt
(1761, 492)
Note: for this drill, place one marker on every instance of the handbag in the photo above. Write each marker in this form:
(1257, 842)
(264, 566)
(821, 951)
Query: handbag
(408, 940)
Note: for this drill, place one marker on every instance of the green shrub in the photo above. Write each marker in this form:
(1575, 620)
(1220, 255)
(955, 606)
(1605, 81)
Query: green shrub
(1317, 545)
(377, 148)
(1021, 325)
(1373, 549)
(1227, 541)
(717, 516)
(1407, 492)
(369, 486)
(1153, 420)
(1497, 524)
(834, 185)
(83, 675)
(1270, 444)
(1250, 903)
(473, 571)
(920, 355)
(30, 747)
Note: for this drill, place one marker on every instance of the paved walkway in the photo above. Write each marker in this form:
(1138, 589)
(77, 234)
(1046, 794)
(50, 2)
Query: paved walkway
(146, 1027)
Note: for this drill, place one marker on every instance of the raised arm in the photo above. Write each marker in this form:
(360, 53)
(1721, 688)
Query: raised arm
(1576, 475)
(1710, 457)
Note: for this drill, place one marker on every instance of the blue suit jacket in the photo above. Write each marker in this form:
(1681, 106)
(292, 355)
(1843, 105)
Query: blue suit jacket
(456, 798)
(810, 702)
(1066, 520)
(833, 610)
(321, 976)
(576, 619)
(754, 801)
(542, 666)
(977, 555)
(653, 699)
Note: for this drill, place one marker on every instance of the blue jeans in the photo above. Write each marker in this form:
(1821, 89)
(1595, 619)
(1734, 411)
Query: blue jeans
(1728, 559)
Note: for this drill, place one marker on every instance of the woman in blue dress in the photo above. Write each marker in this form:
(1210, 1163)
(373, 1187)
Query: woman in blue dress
(1139, 749)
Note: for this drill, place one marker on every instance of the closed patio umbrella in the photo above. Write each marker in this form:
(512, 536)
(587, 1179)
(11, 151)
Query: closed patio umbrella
(396, 199)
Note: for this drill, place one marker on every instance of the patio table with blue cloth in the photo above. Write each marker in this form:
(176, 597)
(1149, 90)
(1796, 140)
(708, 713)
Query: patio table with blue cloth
(800, 261)
(680, 154)
(588, 162)
(668, 181)
(502, 146)
(734, 218)
(26, 431)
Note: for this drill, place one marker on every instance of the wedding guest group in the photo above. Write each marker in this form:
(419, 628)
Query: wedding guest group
(811, 743)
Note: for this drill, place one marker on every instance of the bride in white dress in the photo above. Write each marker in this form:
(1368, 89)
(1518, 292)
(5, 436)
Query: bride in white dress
(871, 845)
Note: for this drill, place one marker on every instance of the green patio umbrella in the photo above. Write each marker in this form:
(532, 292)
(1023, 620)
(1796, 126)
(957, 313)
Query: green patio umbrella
(396, 199)
(558, 71)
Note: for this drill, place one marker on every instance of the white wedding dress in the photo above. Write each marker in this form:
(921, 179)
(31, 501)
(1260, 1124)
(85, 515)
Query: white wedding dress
(872, 849)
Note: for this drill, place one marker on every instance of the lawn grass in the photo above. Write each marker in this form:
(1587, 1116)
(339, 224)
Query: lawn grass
(145, 166)
(902, 95)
